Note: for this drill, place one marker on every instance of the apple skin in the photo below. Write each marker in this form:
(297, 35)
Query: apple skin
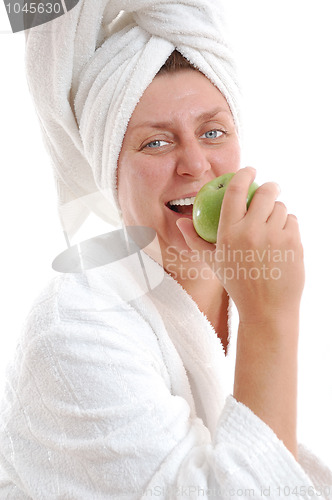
(207, 206)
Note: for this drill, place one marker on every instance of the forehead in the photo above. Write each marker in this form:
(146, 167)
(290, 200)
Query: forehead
(183, 92)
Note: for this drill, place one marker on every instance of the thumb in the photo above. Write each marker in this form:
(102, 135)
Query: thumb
(192, 239)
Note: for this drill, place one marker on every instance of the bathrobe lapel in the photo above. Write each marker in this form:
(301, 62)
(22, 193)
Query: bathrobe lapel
(208, 370)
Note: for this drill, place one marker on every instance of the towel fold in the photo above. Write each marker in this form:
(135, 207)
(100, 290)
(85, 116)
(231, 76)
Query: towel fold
(86, 72)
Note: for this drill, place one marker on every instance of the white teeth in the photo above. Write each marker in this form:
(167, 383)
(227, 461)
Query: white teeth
(183, 201)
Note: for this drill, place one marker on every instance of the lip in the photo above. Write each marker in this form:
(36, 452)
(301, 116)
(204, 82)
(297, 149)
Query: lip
(177, 215)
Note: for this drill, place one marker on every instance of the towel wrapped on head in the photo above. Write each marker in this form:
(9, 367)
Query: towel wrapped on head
(87, 71)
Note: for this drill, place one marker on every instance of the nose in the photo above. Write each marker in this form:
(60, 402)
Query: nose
(192, 159)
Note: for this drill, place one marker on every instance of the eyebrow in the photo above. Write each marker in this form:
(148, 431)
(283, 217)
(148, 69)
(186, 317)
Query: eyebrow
(207, 115)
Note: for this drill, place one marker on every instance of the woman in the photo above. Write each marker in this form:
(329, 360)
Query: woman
(182, 135)
(117, 398)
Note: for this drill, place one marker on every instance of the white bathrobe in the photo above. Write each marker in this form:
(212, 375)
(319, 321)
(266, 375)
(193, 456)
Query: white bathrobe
(117, 396)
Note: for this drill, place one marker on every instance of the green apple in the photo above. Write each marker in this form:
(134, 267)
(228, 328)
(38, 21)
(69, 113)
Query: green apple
(207, 206)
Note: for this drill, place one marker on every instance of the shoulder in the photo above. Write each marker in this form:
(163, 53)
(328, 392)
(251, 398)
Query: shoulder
(79, 338)
(88, 309)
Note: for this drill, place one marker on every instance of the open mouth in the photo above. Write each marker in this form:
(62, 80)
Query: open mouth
(182, 206)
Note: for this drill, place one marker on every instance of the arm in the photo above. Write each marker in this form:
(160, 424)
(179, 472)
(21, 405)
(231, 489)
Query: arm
(268, 303)
(266, 375)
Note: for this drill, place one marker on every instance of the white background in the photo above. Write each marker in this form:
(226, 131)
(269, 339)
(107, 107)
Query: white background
(283, 49)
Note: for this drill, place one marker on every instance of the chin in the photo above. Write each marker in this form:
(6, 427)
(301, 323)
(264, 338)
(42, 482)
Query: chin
(174, 241)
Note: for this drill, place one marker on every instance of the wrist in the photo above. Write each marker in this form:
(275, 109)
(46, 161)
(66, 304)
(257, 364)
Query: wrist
(271, 323)
(277, 337)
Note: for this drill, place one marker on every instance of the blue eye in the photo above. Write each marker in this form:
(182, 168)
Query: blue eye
(156, 144)
(213, 134)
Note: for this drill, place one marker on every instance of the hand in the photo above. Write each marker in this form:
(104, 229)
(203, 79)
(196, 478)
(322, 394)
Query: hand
(258, 255)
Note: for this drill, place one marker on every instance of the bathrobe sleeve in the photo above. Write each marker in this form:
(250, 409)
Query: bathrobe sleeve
(89, 414)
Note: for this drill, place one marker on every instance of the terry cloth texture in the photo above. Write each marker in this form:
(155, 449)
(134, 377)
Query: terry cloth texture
(110, 399)
(86, 72)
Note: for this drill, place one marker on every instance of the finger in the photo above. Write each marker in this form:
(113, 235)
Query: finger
(263, 202)
(234, 205)
(292, 224)
(192, 239)
(278, 216)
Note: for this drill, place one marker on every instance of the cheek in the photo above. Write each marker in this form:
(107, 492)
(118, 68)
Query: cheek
(227, 160)
(139, 180)
(139, 184)
(233, 156)
(236, 159)
(147, 173)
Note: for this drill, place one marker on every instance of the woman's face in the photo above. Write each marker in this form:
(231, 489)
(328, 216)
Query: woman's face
(180, 136)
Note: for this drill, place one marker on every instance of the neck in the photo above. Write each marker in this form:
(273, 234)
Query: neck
(199, 281)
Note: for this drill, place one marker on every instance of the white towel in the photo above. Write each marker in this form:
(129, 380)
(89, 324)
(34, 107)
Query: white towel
(88, 69)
